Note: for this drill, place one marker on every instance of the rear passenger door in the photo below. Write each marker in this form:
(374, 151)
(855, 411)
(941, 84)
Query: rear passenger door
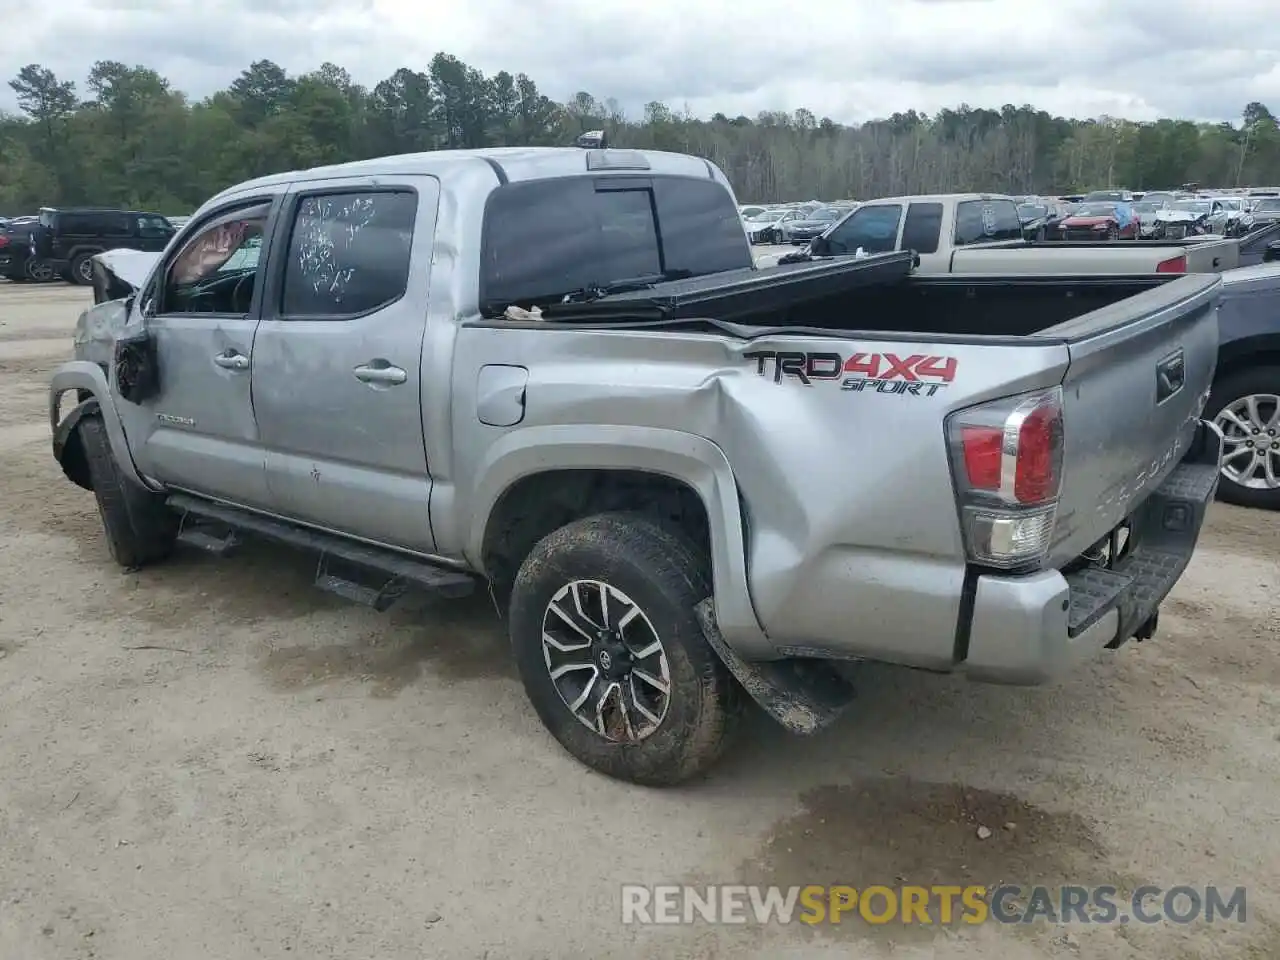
(337, 372)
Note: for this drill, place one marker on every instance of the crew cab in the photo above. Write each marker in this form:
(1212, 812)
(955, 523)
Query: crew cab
(982, 233)
(556, 375)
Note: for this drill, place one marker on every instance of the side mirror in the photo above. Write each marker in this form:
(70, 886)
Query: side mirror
(136, 367)
(819, 247)
(1272, 253)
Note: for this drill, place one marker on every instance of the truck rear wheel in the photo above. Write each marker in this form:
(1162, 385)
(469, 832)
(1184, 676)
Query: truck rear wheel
(611, 654)
(140, 529)
(81, 270)
(1246, 407)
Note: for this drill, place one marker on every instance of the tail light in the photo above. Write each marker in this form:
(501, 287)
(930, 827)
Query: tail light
(1006, 457)
(4, 241)
(1176, 264)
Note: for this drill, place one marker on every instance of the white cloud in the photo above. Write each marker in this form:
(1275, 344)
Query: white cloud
(851, 60)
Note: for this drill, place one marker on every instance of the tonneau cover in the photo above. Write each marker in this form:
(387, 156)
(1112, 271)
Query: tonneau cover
(738, 294)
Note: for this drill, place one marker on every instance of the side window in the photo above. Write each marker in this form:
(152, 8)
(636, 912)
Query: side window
(982, 221)
(874, 229)
(76, 224)
(924, 224)
(348, 253)
(216, 270)
(114, 225)
(153, 227)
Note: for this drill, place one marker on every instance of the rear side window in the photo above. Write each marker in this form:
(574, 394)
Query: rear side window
(348, 254)
(546, 238)
(873, 228)
(924, 224)
(983, 221)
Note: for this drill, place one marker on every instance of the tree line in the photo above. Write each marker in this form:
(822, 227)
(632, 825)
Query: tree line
(130, 139)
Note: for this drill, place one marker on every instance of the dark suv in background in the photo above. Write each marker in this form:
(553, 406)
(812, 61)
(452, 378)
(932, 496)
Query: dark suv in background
(67, 239)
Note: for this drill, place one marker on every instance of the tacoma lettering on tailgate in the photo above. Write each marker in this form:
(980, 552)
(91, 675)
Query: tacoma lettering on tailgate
(916, 375)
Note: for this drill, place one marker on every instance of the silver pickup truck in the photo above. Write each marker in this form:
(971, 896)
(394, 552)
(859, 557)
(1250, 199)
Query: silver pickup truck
(555, 374)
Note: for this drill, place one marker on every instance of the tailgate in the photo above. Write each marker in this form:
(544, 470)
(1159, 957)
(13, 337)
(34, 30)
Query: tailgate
(1213, 256)
(1137, 381)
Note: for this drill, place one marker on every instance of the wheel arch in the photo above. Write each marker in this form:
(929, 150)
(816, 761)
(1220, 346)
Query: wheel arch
(86, 377)
(1259, 350)
(538, 479)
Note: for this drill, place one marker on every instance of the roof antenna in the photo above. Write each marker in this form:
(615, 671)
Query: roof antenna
(593, 140)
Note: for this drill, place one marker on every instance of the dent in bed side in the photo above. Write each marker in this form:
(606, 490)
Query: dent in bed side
(680, 456)
(85, 375)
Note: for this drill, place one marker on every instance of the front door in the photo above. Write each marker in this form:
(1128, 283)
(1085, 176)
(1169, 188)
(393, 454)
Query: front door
(338, 358)
(201, 307)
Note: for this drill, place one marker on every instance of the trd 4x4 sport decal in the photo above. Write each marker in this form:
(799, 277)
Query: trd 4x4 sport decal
(917, 375)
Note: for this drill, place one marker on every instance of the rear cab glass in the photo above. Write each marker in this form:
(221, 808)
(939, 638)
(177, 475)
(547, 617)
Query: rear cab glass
(545, 238)
(985, 221)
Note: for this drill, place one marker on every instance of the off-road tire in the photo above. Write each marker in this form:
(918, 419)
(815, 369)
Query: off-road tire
(666, 576)
(140, 529)
(1243, 383)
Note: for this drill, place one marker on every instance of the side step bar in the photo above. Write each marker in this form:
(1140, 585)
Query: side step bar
(400, 570)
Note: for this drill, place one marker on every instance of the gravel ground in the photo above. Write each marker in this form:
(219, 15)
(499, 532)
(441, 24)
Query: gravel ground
(212, 759)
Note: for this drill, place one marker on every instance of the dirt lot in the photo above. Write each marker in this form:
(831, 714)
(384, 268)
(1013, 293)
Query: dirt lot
(213, 760)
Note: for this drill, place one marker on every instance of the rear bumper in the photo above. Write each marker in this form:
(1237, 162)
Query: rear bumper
(1032, 629)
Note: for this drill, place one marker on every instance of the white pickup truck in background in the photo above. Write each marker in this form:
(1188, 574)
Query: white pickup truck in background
(974, 233)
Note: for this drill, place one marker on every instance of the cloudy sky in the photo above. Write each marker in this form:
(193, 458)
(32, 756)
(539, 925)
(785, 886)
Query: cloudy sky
(851, 60)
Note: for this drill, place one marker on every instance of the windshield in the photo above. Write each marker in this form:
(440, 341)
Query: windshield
(768, 215)
(1104, 195)
(1032, 211)
(1146, 206)
(828, 213)
(1267, 206)
(1192, 206)
(1095, 210)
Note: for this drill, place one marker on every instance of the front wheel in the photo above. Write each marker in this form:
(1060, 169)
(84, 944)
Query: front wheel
(611, 653)
(1246, 407)
(139, 528)
(39, 271)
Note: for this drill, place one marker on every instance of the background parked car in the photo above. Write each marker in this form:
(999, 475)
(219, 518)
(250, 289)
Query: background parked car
(1183, 218)
(1145, 211)
(1245, 400)
(815, 224)
(67, 239)
(761, 227)
(16, 262)
(1040, 217)
(1092, 220)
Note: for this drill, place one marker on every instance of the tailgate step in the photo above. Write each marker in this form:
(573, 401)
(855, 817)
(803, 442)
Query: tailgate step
(1093, 593)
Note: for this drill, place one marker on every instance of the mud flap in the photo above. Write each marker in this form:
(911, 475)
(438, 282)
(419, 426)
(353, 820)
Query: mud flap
(805, 696)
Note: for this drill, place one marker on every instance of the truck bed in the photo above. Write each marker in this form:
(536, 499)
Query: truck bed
(879, 295)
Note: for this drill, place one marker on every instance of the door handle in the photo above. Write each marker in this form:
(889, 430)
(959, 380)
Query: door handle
(230, 360)
(380, 372)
